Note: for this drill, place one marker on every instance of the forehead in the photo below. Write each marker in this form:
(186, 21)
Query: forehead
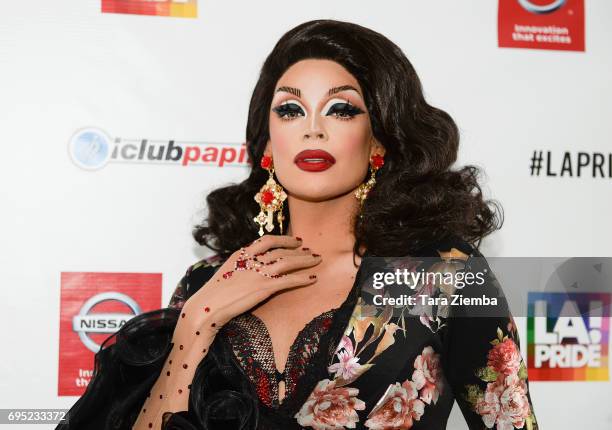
(315, 76)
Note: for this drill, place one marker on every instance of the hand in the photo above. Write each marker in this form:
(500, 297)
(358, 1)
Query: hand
(221, 299)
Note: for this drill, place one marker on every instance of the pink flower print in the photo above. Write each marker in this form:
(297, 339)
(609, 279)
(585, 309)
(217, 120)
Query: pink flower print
(345, 343)
(427, 375)
(397, 409)
(347, 367)
(504, 358)
(330, 408)
(504, 404)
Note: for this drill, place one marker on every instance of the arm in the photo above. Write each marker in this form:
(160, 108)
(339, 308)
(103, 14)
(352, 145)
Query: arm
(482, 359)
(170, 393)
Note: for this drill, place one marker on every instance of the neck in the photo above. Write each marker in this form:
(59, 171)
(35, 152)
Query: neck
(327, 226)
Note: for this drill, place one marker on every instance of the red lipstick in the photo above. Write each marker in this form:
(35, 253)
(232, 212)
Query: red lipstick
(314, 160)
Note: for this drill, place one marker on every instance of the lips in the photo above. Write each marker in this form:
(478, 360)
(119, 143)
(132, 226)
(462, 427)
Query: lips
(314, 160)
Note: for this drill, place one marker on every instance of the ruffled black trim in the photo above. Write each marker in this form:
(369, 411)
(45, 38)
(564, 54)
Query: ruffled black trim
(130, 361)
(125, 369)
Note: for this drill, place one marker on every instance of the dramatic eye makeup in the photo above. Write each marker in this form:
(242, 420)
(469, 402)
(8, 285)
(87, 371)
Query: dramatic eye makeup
(289, 110)
(340, 108)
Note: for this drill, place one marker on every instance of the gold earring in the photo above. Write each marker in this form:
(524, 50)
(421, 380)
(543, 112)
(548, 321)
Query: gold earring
(376, 162)
(270, 198)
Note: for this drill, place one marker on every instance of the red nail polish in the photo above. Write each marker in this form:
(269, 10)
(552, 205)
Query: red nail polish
(305, 249)
(298, 238)
(313, 276)
(316, 255)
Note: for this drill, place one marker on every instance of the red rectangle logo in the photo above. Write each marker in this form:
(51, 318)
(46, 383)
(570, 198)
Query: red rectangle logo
(541, 24)
(93, 306)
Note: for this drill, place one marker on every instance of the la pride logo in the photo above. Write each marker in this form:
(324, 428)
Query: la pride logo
(567, 336)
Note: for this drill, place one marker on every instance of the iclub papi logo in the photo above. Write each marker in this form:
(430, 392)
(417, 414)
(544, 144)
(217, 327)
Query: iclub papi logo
(567, 336)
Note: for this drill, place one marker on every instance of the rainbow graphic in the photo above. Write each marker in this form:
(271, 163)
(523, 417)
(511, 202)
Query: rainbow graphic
(567, 336)
(174, 8)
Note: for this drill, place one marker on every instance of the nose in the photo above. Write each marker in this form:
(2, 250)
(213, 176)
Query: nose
(315, 130)
(316, 134)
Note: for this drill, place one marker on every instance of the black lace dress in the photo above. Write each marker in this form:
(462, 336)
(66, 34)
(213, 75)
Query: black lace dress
(357, 366)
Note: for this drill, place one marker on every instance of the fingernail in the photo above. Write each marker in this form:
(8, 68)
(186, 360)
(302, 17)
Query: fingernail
(313, 276)
(298, 238)
(316, 255)
(306, 249)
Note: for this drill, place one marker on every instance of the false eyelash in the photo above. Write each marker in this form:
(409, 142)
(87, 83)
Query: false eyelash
(346, 108)
(285, 109)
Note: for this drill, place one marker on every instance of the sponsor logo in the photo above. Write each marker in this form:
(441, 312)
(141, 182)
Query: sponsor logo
(567, 336)
(92, 149)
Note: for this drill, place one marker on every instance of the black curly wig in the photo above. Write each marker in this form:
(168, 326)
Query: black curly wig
(417, 199)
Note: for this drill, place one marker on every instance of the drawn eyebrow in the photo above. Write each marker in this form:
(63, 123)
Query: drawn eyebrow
(335, 90)
(296, 91)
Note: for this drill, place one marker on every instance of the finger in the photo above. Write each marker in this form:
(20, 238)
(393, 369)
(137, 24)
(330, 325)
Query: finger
(270, 241)
(293, 262)
(290, 280)
(272, 255)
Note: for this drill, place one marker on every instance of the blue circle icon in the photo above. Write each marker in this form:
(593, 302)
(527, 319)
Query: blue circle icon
(89, 148)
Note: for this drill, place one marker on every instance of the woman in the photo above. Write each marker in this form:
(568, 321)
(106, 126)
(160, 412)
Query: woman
(277, 330)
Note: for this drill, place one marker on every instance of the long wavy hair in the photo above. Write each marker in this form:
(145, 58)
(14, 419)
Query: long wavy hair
(417, 199)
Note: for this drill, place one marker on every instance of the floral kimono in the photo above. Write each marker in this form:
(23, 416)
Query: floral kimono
(359, 366)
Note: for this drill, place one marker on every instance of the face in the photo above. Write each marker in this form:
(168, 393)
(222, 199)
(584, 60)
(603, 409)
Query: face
(320, 134)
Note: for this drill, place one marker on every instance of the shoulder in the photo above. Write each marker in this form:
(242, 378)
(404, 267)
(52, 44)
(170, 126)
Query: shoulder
(200, 272)
(459, 253)
(449, 247)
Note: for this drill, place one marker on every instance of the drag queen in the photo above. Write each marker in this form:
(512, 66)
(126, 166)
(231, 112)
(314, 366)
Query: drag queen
(351, 167)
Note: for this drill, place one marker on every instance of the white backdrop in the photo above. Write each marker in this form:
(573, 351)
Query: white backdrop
(65, 66)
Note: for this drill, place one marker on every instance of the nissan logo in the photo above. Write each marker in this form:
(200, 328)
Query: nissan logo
(85, 323)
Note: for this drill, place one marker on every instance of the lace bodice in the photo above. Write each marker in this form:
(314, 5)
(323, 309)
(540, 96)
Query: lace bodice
(252, 345)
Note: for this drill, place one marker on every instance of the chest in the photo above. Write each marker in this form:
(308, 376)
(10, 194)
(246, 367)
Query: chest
(289, 312)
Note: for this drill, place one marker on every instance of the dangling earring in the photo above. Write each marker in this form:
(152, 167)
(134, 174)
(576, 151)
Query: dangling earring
(376, 162)
(270, 198)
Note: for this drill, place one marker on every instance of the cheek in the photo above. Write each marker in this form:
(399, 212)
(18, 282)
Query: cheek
(282, 136)
(352, 143)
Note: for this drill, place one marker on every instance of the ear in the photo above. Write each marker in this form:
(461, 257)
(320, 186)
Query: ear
(268, 148)
(376, 147)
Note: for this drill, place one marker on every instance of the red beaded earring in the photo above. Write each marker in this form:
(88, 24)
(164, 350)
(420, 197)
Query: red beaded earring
(270, 198)
(376, 162)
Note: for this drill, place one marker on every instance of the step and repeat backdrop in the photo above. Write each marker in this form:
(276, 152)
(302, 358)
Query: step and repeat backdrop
(118, 117)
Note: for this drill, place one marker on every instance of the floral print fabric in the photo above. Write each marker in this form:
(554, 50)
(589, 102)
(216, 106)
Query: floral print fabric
(403, 367)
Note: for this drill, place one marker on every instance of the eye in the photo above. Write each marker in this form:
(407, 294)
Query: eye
(344, 111)
(288, 111)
